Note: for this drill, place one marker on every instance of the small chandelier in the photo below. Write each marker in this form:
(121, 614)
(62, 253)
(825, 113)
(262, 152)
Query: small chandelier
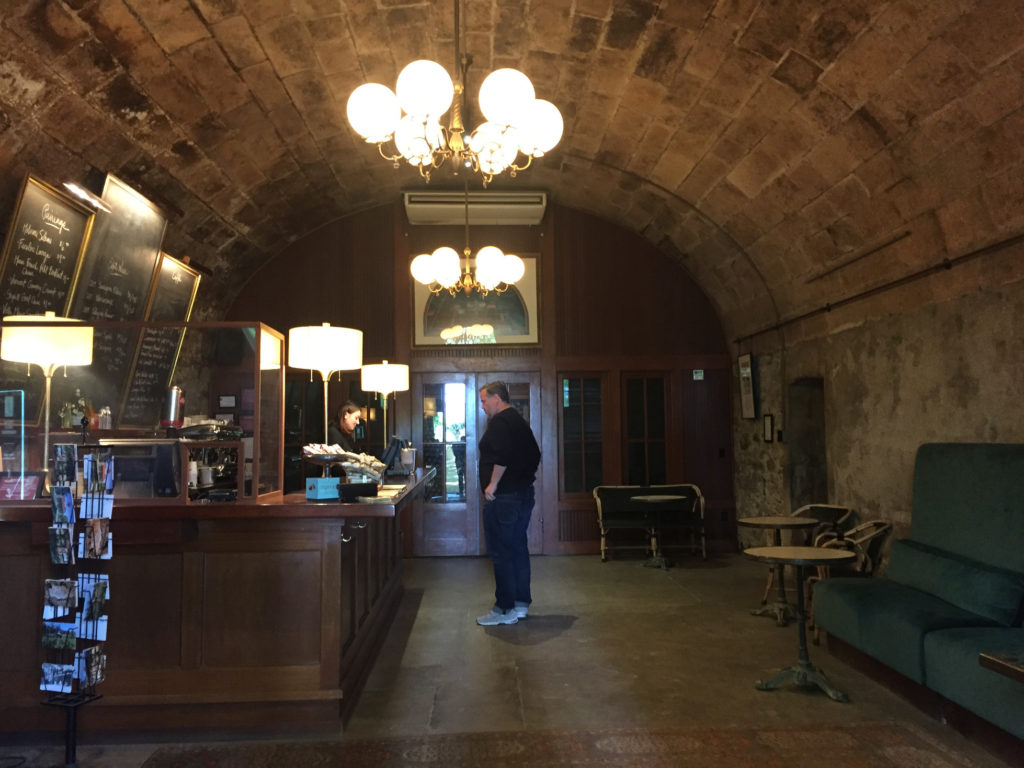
(442, 270)
(410, 116)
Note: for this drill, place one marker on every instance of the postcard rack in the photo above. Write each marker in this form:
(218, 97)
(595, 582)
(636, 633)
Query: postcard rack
(75, 598)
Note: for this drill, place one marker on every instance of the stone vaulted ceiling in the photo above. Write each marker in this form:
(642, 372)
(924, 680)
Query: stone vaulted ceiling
(787, 153)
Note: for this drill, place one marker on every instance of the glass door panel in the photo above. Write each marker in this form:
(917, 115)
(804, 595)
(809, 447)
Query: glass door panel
(444, 440)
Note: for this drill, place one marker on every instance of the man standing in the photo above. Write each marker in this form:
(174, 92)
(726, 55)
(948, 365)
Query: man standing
(509, 457)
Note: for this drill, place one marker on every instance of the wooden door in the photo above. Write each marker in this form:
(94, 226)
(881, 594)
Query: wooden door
(447, 431)
(444, 431)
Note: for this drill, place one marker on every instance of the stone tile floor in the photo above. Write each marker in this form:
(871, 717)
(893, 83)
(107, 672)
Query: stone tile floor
(606, 645)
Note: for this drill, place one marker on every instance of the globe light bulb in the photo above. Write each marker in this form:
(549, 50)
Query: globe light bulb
(505, 94)
(425, 89)
(512, 269)
(542, 129)
(445, 261)
(489, 260)
(495, 146)
(416, 139)
(422, 269)
(373, 112)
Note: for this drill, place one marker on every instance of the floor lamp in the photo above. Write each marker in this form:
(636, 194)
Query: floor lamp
(385, 378)
(325, 348)
(49, 342)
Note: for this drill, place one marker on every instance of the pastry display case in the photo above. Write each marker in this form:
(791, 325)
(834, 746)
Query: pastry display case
(192, 412)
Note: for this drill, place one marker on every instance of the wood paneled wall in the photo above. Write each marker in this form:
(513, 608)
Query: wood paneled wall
(342, 274)
(610, 304)
(617, 295)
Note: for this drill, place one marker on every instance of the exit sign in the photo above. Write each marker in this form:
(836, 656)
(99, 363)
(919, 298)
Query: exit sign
(698, 374)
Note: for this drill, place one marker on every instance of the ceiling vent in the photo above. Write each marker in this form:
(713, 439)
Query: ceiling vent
(522, 208)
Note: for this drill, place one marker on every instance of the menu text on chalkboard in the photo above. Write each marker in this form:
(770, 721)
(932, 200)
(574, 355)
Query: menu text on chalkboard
(43, 251)
(117, 276)
(157, 355)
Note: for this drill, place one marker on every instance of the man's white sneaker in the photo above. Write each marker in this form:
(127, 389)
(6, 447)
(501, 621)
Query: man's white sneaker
(497, 616)
(522, 610)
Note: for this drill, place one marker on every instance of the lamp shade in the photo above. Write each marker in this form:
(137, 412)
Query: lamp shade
(325, 348)
(385, 377)
(48, 346)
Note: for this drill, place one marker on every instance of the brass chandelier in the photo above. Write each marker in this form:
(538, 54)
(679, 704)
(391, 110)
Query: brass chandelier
(443, 270)
(517, 123)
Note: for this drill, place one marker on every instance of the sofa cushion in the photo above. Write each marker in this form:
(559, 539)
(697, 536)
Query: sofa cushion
(886, 619)
(952, 670)
(994, 593)
(968, 498)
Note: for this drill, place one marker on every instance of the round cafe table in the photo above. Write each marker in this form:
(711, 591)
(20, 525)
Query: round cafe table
(780, 608)
(803, 673)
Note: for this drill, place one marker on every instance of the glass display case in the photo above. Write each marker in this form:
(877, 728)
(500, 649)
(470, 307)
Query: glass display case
(191, 411)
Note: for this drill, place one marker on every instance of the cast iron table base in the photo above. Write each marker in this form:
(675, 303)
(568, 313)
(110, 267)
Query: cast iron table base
(803, 673)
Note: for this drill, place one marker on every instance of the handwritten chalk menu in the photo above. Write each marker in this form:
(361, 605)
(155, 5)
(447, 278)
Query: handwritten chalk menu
(175, 292)
(43, 251)
(120, 264)
(42, 256)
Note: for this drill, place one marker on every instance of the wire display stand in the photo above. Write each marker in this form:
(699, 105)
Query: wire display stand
(76, 595)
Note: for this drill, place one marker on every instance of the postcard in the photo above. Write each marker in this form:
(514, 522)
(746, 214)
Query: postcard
(96, 543)
(95, 589)
(58, 636)
(57, 678)
(61, 550)
(95, 505)
(91, 629)
(62, 505)
(65, 464)
(91, 666)
(60, 597)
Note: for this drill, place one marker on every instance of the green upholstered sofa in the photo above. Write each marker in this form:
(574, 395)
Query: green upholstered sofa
(954, 588)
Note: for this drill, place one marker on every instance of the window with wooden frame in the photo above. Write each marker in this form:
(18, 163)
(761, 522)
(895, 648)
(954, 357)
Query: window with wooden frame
(644, 433)
(580, 439)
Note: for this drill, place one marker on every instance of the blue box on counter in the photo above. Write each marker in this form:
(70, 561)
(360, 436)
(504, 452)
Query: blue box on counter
(322, 487)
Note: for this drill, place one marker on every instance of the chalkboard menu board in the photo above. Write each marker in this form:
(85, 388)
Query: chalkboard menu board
(172, 300)
(43, 251)
(118, 271)
(40, 265)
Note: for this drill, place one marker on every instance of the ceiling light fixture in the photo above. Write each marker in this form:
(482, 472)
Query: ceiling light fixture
(410, 116)
(441, 270)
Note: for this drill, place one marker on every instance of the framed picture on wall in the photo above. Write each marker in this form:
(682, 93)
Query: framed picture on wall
(746, 366)
(510, 317)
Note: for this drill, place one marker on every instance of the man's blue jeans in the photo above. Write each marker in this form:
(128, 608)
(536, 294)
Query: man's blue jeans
(505, 522)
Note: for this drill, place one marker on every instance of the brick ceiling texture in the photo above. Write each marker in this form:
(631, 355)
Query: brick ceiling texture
(786, 153)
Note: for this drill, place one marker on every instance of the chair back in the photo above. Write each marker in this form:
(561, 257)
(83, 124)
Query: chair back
(865, 540)
(832, 518)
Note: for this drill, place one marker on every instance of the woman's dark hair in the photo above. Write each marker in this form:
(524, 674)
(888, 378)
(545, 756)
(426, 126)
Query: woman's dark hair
(346, 409)
(498, 388)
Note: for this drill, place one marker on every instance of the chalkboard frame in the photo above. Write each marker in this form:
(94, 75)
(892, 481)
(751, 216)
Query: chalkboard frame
(179, 268)
(31, 187)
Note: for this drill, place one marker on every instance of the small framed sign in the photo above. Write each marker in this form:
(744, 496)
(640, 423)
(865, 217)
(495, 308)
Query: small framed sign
(769, 428)
(225, 401)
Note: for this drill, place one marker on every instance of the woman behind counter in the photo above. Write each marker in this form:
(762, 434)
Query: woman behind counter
(342, 430)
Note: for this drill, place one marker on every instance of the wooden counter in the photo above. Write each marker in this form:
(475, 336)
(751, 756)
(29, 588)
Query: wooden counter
(240, 618)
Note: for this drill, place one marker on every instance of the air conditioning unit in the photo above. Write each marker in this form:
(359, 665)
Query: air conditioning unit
(434, 206)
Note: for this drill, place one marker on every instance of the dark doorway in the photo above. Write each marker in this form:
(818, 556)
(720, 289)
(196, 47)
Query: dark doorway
(805, 436)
